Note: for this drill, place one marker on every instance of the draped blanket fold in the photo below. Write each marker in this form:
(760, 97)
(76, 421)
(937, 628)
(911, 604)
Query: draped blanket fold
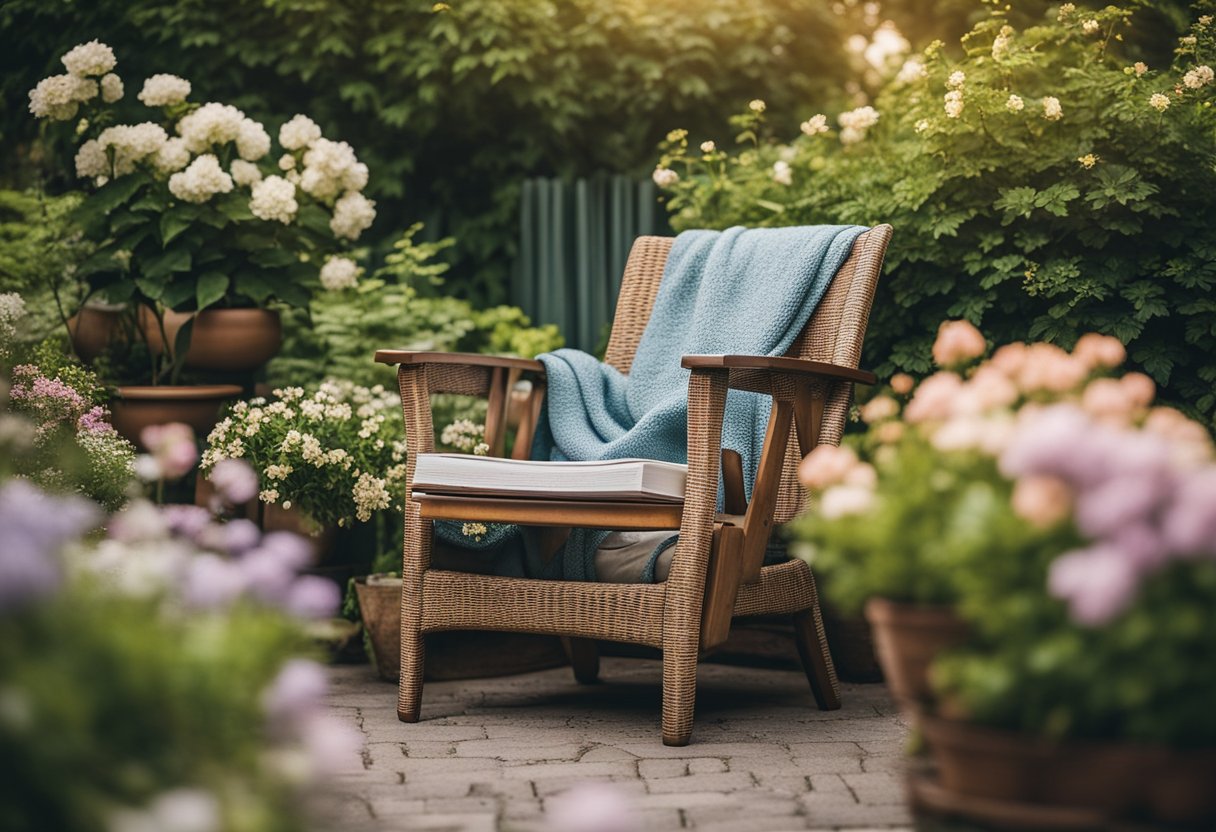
(739, 291)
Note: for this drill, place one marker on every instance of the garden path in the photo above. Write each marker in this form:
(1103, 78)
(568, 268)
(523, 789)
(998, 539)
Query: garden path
(493, 754)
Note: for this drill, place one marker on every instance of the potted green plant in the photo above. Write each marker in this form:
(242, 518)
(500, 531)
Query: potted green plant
(200, 224)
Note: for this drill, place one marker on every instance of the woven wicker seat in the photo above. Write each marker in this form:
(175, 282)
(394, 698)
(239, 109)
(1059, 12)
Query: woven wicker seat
(716, 571)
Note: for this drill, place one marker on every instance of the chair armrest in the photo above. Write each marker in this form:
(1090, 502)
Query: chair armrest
(464, 359)
(779, 365)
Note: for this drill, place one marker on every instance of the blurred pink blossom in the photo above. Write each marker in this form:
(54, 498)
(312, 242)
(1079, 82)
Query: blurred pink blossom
(1139, 388)
(1010, 358)
(1189, 525)
(172, 447)
(841, 500)
(1097, 583)
(957, 342)
(313, 597)
(1099, 351)
(1046, 367)
(1109, 400)
(902, 383)
(826, 465)
(1042, 501)
(879, 408)
(591, 807)
(234, 480)
(934, 398)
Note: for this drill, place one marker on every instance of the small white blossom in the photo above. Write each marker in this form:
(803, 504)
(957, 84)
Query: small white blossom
(1159, 102)
(1091, 27)
(353, 214)
(815, 125)
(1198, 77)
(954, 103)
(132, 143)
(60, 96)
(111, 88)
(330, 168)
(1066, 10)
(339, 273)
(252, 140)
(855, 123)
(274, 199)
(922, 125)
(245, 173)
(1139, 67)
(299, 133)
(211, 124)
(782, 173)
(269, 495)
(956, 79)
(92, 58)
(708, 147)
(1052, 111)
(287, 162)
(172, 156)
(164, 90)
(756, 105)
(91, 160)
(1015, 104)
(1000, 44)
(201, 180)
(370, 493)
(912, 70)
(665, 177)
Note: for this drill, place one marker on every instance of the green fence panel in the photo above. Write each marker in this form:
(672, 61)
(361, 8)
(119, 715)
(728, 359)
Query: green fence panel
(574, 238)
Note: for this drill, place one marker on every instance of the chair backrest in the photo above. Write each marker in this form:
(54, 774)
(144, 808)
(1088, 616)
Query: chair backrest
(834, 333)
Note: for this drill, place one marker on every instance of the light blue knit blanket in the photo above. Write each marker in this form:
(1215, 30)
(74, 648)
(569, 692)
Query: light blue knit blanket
(739, 291)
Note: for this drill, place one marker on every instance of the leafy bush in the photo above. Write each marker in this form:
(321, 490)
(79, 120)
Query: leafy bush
(1042, 184)
(450, 104)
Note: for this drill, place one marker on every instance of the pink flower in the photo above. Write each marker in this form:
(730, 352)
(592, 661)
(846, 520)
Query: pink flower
(1109, 400)
(902, 383)
(957, 342)
(1099, 351)
(590, 807)
(212, 582)
(1097, 583)
(1139, 389)
(1042, 501)
(1170, 424)
(1048, 368)
(843, 500)
(1189, 524)
(95, 420)
(334, 746)
(889, 433)
(1120, 501)
(297, 691)
(826, 465)
(879, 409)
(313, 597)
(988, 389)
(1010, 358)
(934, 399)
(234, 480)
(172, 447)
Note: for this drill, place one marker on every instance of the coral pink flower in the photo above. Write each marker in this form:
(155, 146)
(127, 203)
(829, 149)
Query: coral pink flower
(841, 500)
(1047, 367)
(1010, 358)
(1139, 388)
(826, 465)
(1042, 501)
(902, 383)
(879, 408)
(934, 399)
(1109, 400)
(988, 389)
(172, 446)
(957, 341)
(1099, 351)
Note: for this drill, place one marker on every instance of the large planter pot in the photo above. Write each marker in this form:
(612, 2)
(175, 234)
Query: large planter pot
(135, 408)
(449, 655)
(991, 769)
(93, 329)
(225, 340)
(907, 639)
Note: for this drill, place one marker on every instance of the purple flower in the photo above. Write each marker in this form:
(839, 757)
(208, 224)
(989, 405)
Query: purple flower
(33, 527)
(95, 420)
(212, 582)
(333, 745)
(240, 535)
(1120, 501)
(313, 597)
(186, 520)
(293, 550)
(296, 692)
(234, 480)
(1098, 583)
(268, 577)
(1190, 523)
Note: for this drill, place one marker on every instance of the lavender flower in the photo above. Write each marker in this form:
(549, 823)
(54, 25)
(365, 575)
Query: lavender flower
(296, 692)
(33, 527)
(1098, 583)
(235, 481)
(212, 582)
(95, 420)
(313, 597)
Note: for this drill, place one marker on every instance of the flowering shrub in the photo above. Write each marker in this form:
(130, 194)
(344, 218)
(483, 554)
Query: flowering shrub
(1046, 499)
(1043, 183)
(159, 664)
(335, 452)
(193, 209)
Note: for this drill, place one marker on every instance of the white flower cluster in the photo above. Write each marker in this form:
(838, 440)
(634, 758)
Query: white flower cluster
(339, 273)
(463, 435)
(353, 214)
(274, 198)
(912, 70)
(782, 173)
(1159, 102)
(201, 180)
(245, 173)
(329, 172)
(111, 88)
(1015, 104)
(855, 123)
(12, 310)
(664, 177)
(815, 125)
(1198, 77)
(330, 168)
(299, 133)
(88, 59)
(164, 90)
(59, 97)
(371, 494)
(217, 124)
(1052, 111)
(1000, 44)
(954, 98)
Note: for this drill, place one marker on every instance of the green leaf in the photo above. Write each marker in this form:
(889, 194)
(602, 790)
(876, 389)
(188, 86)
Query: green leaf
(211, 287)
(174, 222)
(109, 197)
(168, 262)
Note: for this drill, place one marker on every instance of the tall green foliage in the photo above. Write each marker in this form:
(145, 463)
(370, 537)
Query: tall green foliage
(450, 104)
(1080, 204)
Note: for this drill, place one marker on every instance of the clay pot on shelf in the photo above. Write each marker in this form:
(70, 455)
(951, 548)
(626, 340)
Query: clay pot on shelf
(997, 776)
(449, 655)
(224, 340)
(93, 329)
(136, 407)
(907, 638)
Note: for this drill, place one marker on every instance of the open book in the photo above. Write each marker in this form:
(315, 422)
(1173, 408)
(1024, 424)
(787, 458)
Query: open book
(626, 480)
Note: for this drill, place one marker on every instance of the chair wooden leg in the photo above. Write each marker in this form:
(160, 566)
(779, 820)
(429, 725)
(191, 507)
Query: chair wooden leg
(584, 658)
(409, 687)
(679, 691)
(816, 660)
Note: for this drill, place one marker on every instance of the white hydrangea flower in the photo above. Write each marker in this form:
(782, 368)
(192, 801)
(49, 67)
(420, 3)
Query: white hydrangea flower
(330, 168)
(172, 156)
(783, 174)
(815, 125)
(111, 88)
(60, 96)
(132, 143)
(1159, 102)
(274, 198)
(201, 180)
(211, 124)
(353, 214)
(164, 90)
(339, 273)
(665, 177)
(954, 103)
(252, 141)
(299, 133)
(91, 160)
(245, 173)
(92, 58)
(287, 162)
(1015, 104)
(1198, 77)
(1052, 111)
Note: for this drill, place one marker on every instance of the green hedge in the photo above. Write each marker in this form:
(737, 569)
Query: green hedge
(450, 104)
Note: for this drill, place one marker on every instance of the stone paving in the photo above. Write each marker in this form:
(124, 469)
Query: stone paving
(493, 754)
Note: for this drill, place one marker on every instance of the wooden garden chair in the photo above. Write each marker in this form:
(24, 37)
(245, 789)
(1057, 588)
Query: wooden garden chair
(717, 569)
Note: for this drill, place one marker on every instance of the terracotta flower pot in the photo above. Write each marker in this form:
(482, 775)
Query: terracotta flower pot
(1109, 779)
(227, 340)
(92, 329)
(135, 408)
(449, 655)
(907, 638)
